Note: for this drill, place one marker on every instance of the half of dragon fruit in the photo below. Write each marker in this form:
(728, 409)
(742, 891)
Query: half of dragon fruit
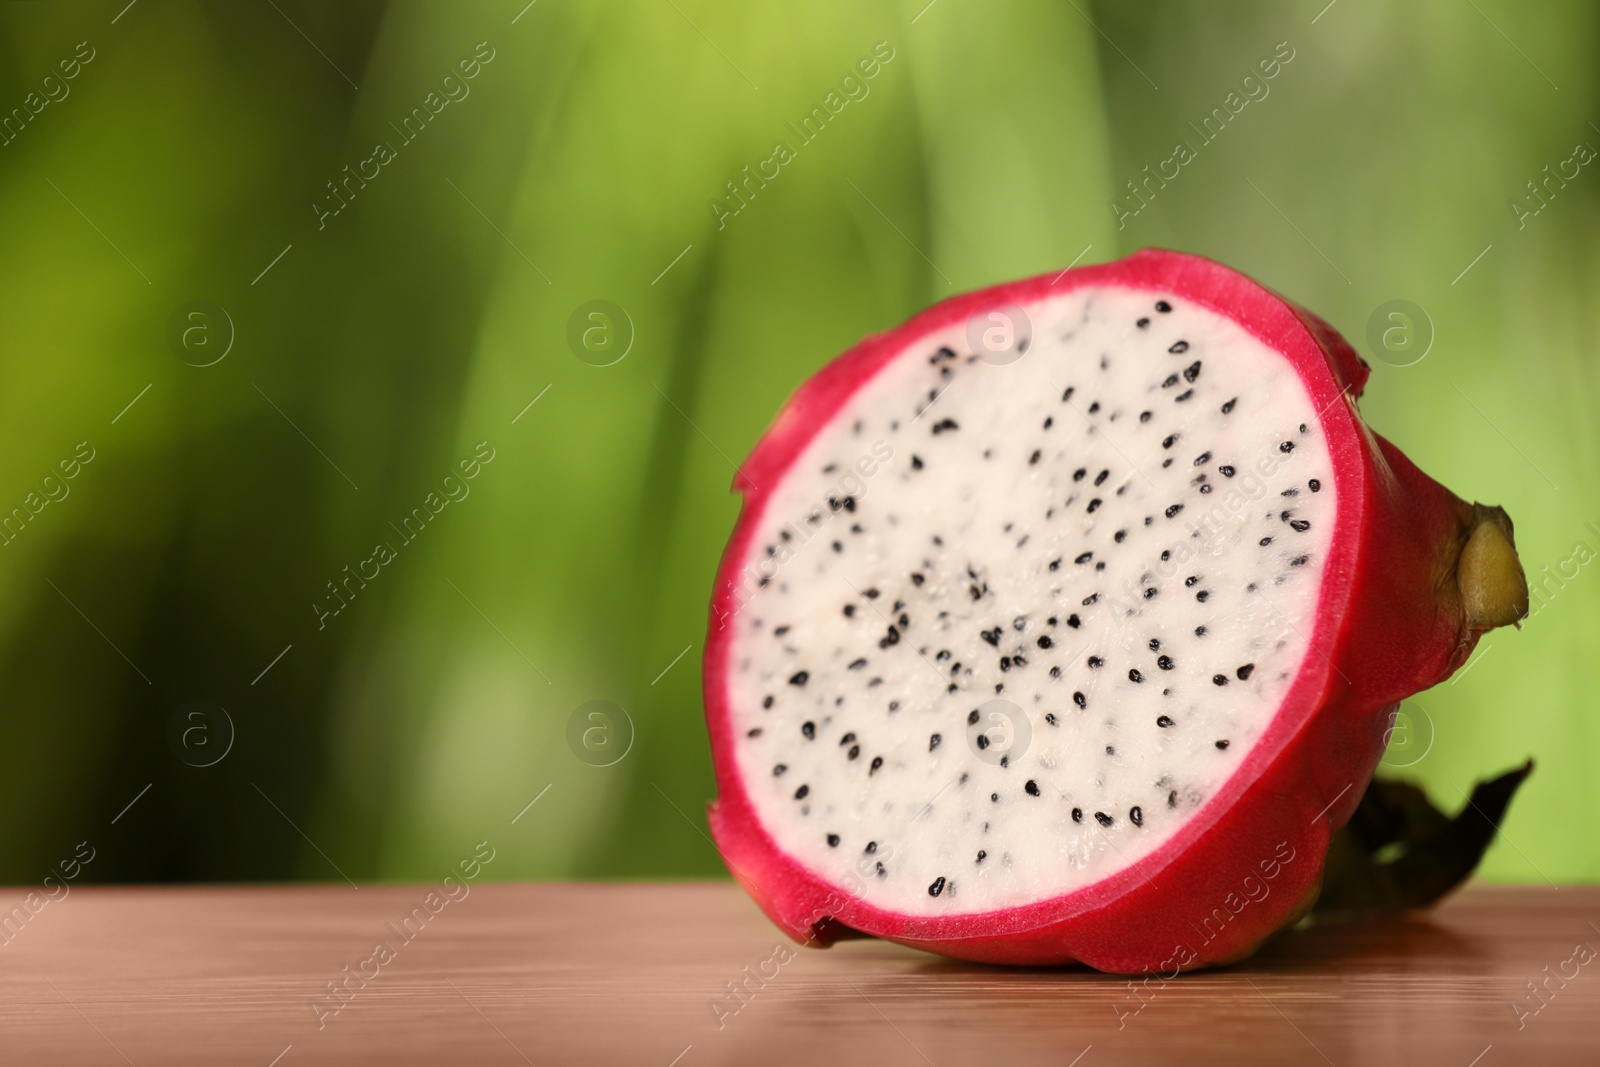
(1066, 621)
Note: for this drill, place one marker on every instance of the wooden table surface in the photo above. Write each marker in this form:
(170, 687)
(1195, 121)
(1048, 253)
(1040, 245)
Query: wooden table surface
(629, 974)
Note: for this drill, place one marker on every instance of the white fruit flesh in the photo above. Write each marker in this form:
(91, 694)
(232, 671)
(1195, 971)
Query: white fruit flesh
(924, 558)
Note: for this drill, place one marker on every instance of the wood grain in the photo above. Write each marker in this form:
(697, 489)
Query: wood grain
(629, 974)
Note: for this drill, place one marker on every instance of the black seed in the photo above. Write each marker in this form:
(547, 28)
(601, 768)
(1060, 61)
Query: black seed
(1077, 814)
(1080, 700)
(1169, 381)
(1119, 535)
(916, 462)
(882, 871)
(981, 854)
(833, 840)
(1049, 420)
(1264, 542)
(809, 729)
(972, 717)
(1078, 475)
(1144, 416)
(1202, 459)
(1227, 472)
(1096, 661)
(779, 769)
(1178, 348)
(1155, 644)
(1073, 621)
(1219, 679)
(1136, 816)
(1094, 407)
(1050, 717)
(1286, 447)
(917, 579)
(1055, 672)
(1066, 394)
(1290, 492)
(872, 846)
(1314, 485)
(933, 742)
(994, 798)
(1032, 788)
(1090, 599)
(894, 705)
(800, 794)
(1181, 397)
(1164, 662)
(858, 664)
(849, 611)
(1229, 405)
(1299, 525)
(1203, 595)
(1150, 592)
(1143, 322)
(1200, 631)
(1044, 641)
(937, 887)
(1055, 564)
(1173, 510)
(1033, 458)
(1191, 580)
(1166, 554)
(991, 636)
(1169, 440)
(945, 424)
(756, 732)
(855, 750)
(1163, 721)
(1135, 676)
(1244, 672)
(1095, 504)
(799, 678)
(1172, 799)
(1192, 371)
(1103, 819)
(1084, 557)
(872, 594)
(837, 547)
(766, 702)
(877, 761)
(1222, 744)
(1099, 479)
(1162, 306)
(890, 638)
(1299, 561)
(1005, 663)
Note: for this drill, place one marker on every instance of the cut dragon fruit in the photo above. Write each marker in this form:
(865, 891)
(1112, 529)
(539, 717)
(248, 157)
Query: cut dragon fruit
(1065, 622)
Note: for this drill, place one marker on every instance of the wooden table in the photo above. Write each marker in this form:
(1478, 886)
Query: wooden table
(628, 974)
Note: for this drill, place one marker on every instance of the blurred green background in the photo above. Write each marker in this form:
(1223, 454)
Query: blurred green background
(368, 352)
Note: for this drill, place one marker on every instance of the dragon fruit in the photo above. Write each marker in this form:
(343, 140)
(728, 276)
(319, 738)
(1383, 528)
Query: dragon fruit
(1065, 622)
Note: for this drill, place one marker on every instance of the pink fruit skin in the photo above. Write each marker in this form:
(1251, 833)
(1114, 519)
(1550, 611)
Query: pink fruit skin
(1251, 859)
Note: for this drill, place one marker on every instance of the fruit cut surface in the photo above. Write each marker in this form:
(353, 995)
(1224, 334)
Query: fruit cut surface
(1023, 618)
